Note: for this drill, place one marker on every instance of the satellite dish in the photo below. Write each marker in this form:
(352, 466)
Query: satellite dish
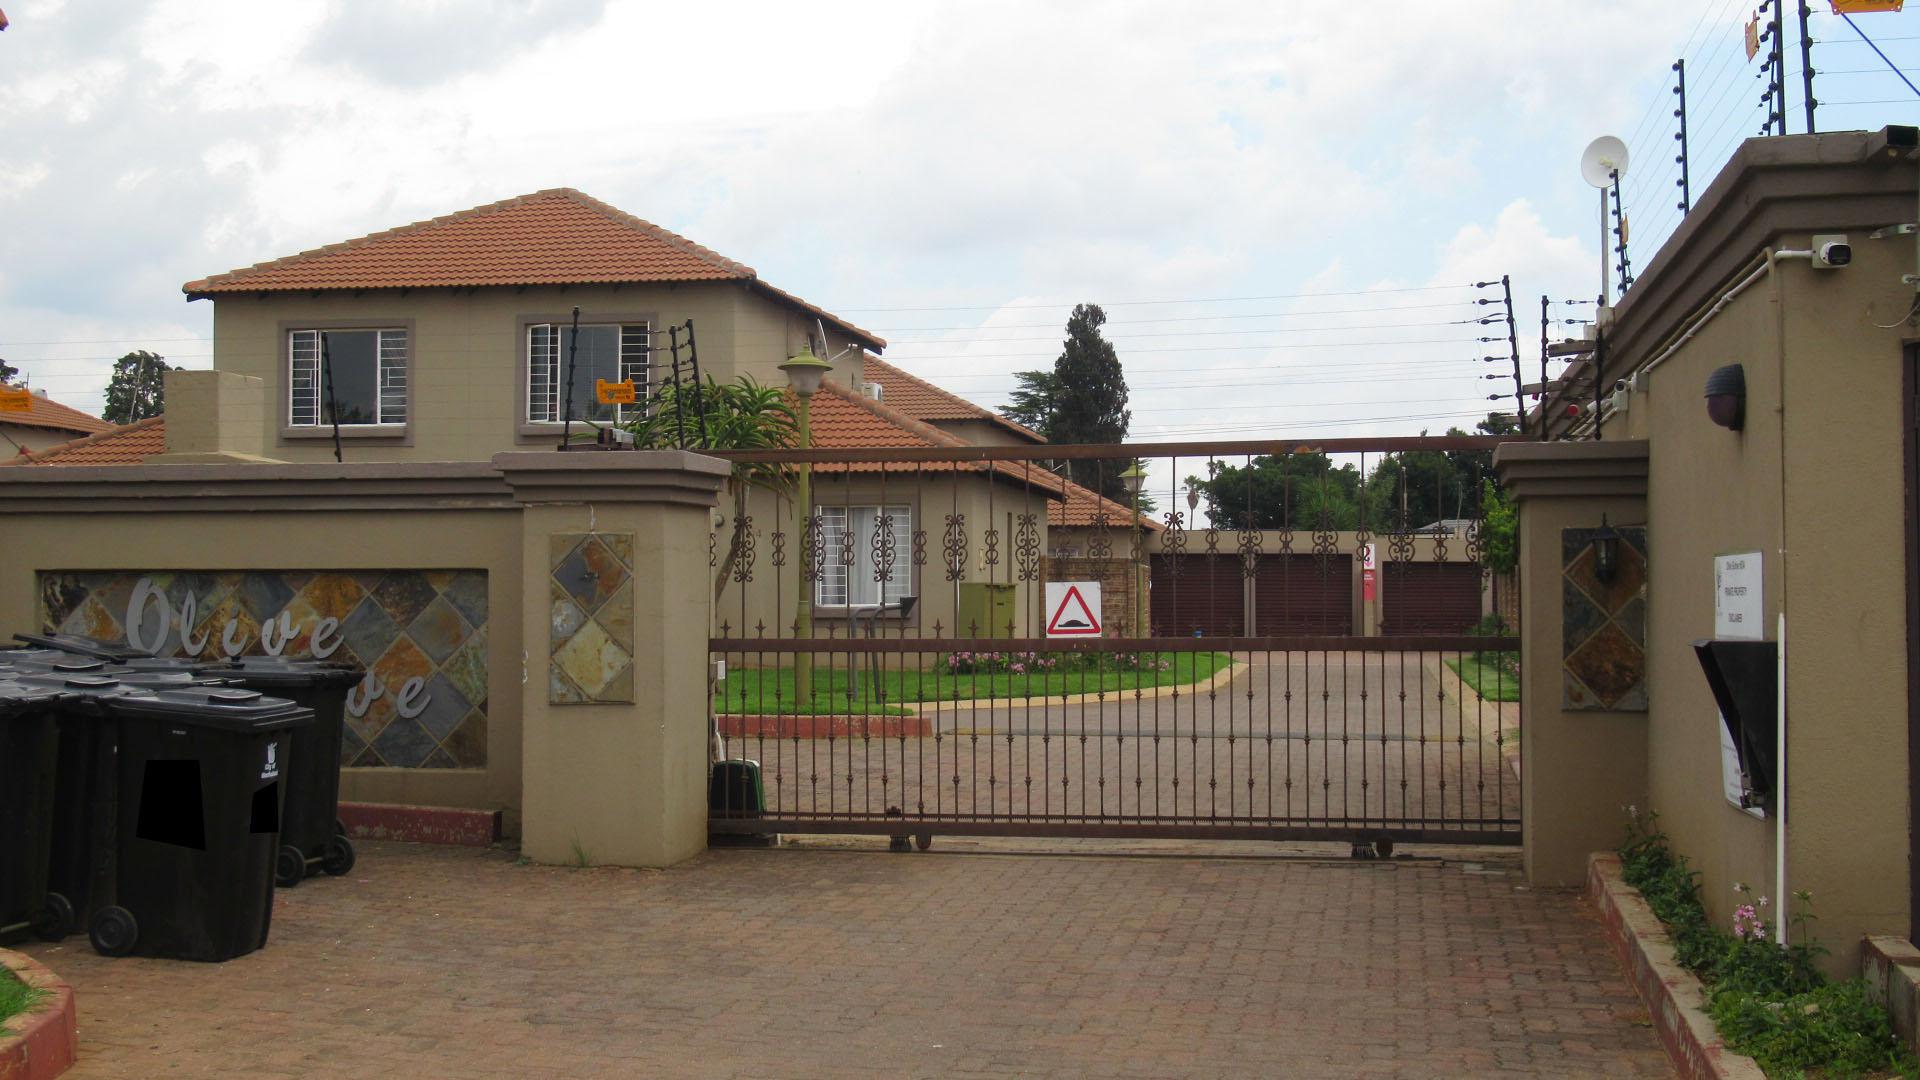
(1604, 156)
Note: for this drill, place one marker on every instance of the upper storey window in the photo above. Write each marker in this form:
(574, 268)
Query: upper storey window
(369, 377)
(610, 352)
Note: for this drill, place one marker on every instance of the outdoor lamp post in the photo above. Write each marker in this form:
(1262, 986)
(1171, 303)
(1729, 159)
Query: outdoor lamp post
(804, 372)
(1133, 477)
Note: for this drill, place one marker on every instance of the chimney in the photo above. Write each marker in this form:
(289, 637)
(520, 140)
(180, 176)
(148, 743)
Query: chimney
(214, 417)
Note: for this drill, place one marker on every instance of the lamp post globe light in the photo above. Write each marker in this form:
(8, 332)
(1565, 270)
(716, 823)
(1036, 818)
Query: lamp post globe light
(804, 372)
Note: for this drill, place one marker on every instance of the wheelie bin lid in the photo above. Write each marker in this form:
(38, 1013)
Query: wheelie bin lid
(287, 671)
(130, 673)
(18, 698)
(45, 661)
(88, 693)
(222, 707)
(85, 646)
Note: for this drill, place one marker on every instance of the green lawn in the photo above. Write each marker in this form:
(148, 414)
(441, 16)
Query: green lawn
(1494, 676)
(16, 997)
(770, 690)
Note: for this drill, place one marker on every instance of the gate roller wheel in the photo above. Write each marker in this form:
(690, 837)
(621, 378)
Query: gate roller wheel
(113, 931)
(337, 857)
(289, 867)
(54, 920)
(924, 841)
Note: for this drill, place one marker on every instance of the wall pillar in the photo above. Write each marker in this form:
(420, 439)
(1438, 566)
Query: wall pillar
(1579, 766)
(615, 758)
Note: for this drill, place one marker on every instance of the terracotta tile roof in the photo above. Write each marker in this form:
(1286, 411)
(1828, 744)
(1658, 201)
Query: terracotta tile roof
(128, 444)
(842, 420)
(922, 400)
(44, 412)
(1083, 505)
(553, 237)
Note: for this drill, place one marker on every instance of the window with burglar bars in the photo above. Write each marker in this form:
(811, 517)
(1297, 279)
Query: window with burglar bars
(854, 541)
(612, 352)
(369, 370)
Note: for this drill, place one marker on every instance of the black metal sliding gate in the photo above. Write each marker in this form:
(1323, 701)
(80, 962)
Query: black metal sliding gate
(866, 711)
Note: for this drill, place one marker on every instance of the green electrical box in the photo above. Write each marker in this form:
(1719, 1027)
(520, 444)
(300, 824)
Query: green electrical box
(989, 606)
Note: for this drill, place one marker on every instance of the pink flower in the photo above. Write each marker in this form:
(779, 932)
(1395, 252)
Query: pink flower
(1019, 669)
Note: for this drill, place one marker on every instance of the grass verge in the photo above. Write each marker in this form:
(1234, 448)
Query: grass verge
(836, 691)
(1494, 676)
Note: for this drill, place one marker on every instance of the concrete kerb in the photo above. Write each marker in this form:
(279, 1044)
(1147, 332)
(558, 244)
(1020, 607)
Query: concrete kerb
(1450, 678)
(1220, 678)
(45, 1042)
(1674, 997)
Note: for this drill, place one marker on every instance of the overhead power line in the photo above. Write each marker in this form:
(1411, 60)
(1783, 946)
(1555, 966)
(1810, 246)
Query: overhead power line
(1186, 300)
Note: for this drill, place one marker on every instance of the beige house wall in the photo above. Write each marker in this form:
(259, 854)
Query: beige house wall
(1814, 482)
(295, 540)
(771, 596)
(17, 437)
(467, 355)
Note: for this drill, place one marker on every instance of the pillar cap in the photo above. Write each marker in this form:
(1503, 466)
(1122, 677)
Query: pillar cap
(1573, 469)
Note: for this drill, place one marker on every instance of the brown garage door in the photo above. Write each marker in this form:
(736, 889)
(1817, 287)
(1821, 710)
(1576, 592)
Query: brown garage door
(1300, 594)
(1429, 598)
(1205, 595)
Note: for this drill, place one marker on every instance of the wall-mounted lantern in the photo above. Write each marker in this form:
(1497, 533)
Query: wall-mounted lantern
(1727, 397)
(1606, 551)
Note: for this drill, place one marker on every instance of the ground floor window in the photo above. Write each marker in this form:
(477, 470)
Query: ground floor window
(863, 545)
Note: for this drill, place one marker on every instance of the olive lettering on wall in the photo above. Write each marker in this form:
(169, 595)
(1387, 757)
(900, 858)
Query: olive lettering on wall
(419, 635)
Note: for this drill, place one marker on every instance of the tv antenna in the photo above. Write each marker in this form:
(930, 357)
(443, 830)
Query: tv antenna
(1603, 164)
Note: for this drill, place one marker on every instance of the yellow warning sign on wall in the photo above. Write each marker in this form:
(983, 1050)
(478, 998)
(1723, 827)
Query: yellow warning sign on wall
(614, 393)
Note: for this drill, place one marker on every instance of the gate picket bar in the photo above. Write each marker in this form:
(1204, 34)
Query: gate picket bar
(915, 723)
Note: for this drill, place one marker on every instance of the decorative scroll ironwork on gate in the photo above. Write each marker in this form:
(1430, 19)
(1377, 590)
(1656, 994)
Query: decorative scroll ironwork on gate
(890, 672)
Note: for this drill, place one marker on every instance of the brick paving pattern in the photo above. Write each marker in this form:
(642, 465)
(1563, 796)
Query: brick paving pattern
(430, 962)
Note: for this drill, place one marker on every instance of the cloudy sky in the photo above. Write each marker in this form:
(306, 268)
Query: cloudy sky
(1283, 206)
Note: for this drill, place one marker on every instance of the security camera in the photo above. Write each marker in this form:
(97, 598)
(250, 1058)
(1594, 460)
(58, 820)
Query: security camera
(1831, 252)
(1622, 386)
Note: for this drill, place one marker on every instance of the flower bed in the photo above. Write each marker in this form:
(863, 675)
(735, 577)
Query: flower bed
(1767, 1000)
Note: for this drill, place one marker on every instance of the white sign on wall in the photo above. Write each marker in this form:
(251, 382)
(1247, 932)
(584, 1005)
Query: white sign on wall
(1738, 613)
(1737, 610)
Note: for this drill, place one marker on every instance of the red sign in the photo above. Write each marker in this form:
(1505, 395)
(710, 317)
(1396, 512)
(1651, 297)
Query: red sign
(1366, 584)
(1072, 617)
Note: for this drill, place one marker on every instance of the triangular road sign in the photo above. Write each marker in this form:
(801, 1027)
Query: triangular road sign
(1072, 617)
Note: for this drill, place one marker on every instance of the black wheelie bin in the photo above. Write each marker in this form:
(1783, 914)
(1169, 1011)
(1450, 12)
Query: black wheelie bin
(310, 831)
(201, 772)
(29, 747)
(79, 858)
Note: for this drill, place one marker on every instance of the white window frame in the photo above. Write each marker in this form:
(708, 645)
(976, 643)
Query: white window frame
(636, 341)
(843, 587)
(393, 350)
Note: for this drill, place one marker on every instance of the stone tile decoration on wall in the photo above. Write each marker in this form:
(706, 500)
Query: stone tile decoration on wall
(1603, 628)
(421, 636)
(590, 660)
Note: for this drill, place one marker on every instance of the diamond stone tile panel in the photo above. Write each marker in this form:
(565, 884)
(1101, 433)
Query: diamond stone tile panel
(1603, 623)
(590, 642)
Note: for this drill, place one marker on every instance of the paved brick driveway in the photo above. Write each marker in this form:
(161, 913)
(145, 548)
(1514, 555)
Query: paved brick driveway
(957, 962)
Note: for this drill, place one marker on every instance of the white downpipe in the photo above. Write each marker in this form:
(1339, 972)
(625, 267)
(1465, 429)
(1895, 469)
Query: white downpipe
(1780, 898)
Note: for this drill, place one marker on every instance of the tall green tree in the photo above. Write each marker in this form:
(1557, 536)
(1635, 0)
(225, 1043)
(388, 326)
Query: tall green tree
(137, 388)
(1082, 400)
(1032, 404)
(1090, 389)
(8, 373)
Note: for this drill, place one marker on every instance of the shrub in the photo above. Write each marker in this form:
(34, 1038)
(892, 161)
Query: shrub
(1769, 1001)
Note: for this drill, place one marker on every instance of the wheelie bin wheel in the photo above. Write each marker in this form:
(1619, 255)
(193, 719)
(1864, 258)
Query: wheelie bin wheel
(113, 931)
(54, 920)
(339, 827)
(289, 867)
(337, 857)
